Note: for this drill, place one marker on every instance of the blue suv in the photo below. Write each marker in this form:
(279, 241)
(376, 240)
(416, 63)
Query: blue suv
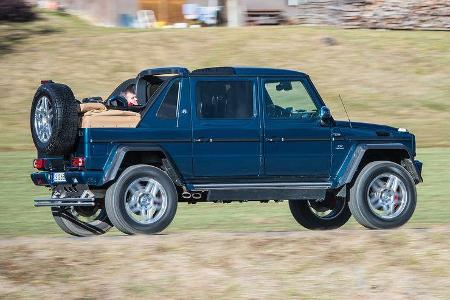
(218, 134)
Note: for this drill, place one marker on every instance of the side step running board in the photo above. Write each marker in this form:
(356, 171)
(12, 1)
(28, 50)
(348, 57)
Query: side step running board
(281, 185)
(264, 191)
(64, 202)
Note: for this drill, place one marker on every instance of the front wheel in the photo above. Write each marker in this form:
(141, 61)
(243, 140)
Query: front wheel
(82, 221)
(383, 196)
(330, 213)
(143, 200)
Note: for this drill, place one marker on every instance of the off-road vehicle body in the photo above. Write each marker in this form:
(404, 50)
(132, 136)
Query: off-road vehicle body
(220, 134)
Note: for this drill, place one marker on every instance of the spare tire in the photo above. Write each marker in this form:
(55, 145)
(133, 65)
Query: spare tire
(54, 119)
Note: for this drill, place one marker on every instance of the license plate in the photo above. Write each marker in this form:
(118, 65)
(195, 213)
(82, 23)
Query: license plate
(59, 177)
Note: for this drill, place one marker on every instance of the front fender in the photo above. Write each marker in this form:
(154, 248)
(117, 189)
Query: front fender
(351, 163)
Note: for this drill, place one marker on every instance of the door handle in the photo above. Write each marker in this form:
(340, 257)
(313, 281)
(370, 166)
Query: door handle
(337, 136)
(275, 139)
(203, 140)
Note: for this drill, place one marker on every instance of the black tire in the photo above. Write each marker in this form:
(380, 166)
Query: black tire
(115, 200)
(337, 216)
(359, 199)
(68, 220)
(64, 121)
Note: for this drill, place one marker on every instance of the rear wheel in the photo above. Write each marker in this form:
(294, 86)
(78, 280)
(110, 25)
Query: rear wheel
(383, 196)
(330, 213)
(143, 200)
(82, 221)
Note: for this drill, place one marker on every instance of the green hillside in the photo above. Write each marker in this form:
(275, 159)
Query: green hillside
(400, 78)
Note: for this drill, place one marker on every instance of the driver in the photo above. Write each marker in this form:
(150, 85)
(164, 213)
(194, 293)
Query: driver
(130, 95)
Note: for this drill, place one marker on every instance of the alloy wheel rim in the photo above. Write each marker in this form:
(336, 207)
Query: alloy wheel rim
(325, 212)
(43, 117)
(387, 196)
(145, 200)
(84, 217)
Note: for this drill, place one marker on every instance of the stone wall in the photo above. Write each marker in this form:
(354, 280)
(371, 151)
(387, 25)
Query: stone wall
(389, 14)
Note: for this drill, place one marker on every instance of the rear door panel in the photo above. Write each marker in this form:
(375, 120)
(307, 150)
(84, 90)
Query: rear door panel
(226, 147)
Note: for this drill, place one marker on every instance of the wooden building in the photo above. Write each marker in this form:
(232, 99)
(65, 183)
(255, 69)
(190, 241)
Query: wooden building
(167, 11)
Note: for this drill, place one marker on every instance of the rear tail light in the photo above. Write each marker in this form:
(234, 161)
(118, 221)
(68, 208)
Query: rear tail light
(39, 164)
(46, 81)
(78, 162)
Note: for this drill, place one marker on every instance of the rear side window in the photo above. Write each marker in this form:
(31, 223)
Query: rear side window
(168, 108)
(224, 99)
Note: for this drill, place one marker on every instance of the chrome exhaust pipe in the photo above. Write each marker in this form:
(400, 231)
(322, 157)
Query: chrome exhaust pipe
(186, 195)
(196, 195)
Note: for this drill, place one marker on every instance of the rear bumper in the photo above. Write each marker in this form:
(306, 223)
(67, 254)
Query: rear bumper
(91, 178)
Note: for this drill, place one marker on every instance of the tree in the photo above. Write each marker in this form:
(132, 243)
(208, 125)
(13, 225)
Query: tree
(16, 11)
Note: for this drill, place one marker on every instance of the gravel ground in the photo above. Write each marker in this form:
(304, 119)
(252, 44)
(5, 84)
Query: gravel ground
(340, 264)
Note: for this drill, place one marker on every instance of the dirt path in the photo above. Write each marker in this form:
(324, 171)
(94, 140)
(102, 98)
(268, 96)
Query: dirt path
(400, 264)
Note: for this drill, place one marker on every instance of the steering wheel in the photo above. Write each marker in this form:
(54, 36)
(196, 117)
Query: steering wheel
(117, 102)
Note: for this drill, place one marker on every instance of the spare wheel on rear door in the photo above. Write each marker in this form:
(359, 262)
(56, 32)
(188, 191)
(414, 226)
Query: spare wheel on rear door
(54, 119)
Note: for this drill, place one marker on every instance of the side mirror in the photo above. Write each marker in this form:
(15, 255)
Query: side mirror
(324, 114)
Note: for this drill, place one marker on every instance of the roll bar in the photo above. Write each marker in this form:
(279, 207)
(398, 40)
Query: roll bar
(163, 71)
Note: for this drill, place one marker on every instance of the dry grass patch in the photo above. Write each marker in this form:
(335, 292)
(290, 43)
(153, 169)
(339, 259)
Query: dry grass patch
(399, 264)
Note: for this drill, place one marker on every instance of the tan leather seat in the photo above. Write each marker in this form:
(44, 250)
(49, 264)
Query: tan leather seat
(95, 115)
(85, 107)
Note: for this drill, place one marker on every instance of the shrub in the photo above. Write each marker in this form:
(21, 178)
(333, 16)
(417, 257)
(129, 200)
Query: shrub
(16, 11)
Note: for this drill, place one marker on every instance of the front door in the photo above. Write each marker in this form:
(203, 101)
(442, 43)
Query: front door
(296, 144)
(226, 127)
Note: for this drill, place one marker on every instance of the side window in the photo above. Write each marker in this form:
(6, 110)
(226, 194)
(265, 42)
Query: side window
(288, 99)
(168, 108)
(224, 99)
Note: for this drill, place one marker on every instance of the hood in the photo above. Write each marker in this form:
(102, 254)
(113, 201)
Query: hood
(360, 130)
(365, 126)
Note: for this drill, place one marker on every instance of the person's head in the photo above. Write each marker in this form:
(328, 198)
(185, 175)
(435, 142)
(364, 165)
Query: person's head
(130, 94)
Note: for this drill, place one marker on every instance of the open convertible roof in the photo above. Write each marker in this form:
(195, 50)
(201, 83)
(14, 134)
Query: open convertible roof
(219, 71)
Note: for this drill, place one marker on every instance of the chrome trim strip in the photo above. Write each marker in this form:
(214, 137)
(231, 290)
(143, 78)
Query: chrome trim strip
(284, 185)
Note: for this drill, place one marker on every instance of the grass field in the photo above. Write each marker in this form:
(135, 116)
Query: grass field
(400, 78)
(394, 77)
(18, 217)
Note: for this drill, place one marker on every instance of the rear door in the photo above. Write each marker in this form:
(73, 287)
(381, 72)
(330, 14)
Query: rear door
(168, 124)
(295, 143)
(226, 127)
